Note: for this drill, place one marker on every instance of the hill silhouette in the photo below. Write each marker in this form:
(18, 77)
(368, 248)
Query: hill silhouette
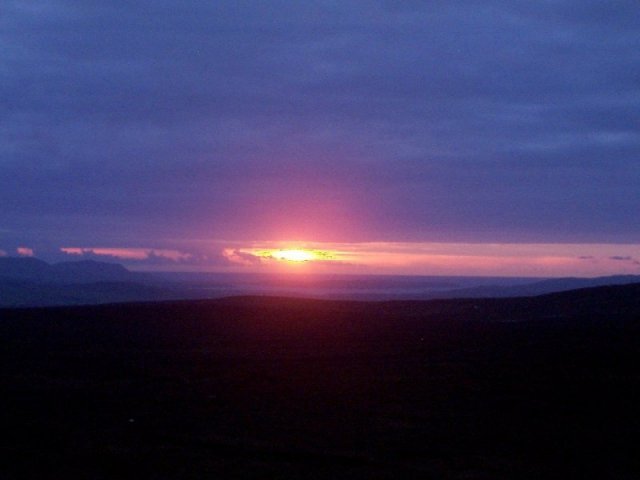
(25, 268)
(257, 387)
(81, 271)
(541, 287)
(30, 282)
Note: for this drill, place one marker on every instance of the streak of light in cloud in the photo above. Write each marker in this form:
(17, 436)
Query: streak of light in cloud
(445, 258)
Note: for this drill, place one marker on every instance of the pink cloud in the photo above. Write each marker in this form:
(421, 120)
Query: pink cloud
(25, 251)
(3, 253)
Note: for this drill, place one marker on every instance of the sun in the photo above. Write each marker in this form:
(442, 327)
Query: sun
(294, 255)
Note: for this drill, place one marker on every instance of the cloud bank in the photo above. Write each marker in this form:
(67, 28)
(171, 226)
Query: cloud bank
(493, 121)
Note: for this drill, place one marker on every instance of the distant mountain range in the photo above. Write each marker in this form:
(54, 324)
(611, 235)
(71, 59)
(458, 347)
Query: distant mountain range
(83, 271)
(29, 282)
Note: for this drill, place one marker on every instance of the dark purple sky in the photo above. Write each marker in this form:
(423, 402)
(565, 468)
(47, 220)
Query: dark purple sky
(157, 123)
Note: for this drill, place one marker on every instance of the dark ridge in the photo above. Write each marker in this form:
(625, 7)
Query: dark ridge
(82, 271)
(27, 294)
(23, 267)
(267, 387)
(85, 271)
(541, 287)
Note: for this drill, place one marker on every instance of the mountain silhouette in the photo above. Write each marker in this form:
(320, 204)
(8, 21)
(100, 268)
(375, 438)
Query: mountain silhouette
(83, 271)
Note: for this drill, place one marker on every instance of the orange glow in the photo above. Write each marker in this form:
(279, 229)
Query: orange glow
(534, 260)
(399, 258)
(293, 255)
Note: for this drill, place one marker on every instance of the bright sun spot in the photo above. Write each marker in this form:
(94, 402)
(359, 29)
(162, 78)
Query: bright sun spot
(294, 255)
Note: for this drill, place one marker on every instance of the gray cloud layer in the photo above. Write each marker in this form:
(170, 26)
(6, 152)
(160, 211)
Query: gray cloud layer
(493, 121)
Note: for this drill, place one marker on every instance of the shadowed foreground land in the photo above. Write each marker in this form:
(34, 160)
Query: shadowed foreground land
(544, 387)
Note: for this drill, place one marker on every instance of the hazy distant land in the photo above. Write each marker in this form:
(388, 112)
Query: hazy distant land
(28, 282)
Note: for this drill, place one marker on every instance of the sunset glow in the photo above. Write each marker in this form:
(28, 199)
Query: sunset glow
(535, 260)
(293, 255)
(328, 239)
(323, 137)
(380, 258)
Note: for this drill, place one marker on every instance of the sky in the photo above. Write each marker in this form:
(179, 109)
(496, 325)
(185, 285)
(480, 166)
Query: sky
(458, 137)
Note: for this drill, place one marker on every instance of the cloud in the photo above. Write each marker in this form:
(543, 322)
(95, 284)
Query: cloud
(239, 257)
(586, 257)
(25, 251)
(625, 258)
(3, 253)
(343, 121)
(147, 255)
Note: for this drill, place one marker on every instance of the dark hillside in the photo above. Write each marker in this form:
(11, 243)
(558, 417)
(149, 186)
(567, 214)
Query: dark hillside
(257, 387)
(23, 268)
